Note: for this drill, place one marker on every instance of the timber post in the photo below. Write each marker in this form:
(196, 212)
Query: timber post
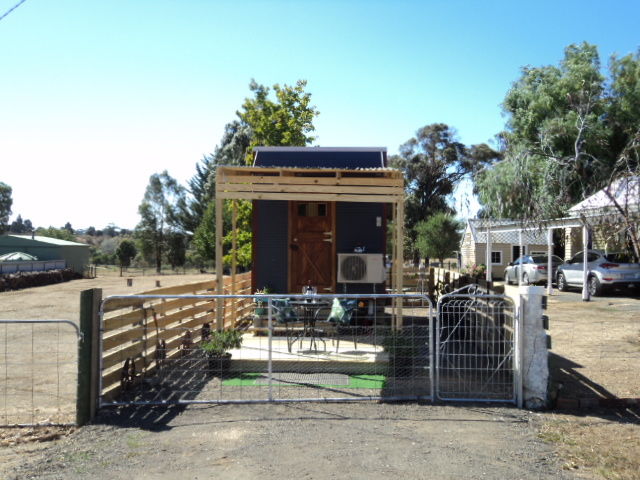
(88, 356)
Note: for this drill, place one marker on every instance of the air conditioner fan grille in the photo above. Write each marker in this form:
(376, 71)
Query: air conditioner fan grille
(353, 268)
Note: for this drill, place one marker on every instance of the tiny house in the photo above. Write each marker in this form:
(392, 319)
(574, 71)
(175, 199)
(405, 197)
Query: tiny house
(320, 216)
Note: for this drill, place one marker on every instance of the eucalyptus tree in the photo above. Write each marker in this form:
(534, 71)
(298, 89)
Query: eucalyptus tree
(159, 216)
(571, 131)
(5, 205)
(434, 162)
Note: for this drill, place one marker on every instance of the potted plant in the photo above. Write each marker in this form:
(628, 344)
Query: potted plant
(217, 348)
(261, 305)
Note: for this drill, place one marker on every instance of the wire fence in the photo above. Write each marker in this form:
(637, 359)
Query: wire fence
(38, 372)
(476, 348)
(321, 347)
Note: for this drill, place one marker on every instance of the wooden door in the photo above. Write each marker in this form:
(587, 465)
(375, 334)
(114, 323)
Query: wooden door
(312, 246)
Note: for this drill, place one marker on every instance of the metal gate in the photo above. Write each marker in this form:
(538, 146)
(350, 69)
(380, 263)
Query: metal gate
(155, 349)
(38, 372)
(476, 346)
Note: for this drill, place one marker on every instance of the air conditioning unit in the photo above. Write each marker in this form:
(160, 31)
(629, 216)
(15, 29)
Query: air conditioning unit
(360, 268)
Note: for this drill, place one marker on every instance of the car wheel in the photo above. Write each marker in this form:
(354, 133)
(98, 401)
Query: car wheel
(562, 282)
(593, 286)
(525, 279)
(506, 278)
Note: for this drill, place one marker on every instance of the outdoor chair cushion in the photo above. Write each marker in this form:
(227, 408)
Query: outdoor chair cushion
(341, 311)
(283, 311)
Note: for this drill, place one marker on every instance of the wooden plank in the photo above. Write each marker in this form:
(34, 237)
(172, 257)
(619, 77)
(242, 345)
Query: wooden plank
(345, 181)
(118, 303)
(171, 335)
(167, 322)
(188, 288)
(319, 197)
(283, 171)
(329, 189)
(138, 315)
(123, 320)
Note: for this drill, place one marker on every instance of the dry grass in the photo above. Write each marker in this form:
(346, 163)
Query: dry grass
(605, 447)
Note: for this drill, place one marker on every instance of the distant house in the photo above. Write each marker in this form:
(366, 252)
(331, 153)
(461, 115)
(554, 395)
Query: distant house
(599, 209)
(505, 246)
(75, 255)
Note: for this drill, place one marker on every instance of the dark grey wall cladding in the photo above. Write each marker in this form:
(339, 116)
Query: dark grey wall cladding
(356, 227)
(270, 261)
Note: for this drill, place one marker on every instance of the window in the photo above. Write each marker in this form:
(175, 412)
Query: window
(496, 258)
(312, 209)
(515, 251)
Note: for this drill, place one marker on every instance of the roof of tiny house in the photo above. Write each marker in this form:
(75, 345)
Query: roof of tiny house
(321, 157)
(344, 174)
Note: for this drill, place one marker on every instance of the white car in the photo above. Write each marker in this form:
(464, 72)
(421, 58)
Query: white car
(604, 270)
(534, 269)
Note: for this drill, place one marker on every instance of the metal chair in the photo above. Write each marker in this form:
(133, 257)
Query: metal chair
(341, 315)
(285, 314)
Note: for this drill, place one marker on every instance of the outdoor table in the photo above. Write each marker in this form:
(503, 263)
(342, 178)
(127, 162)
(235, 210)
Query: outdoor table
(308, 310)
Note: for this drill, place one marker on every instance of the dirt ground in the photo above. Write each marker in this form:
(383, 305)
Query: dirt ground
(62, 301)
(595, 354)
(282, 441)
(595, 346)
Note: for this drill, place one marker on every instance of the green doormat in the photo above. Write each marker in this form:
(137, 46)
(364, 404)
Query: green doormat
(307, 379)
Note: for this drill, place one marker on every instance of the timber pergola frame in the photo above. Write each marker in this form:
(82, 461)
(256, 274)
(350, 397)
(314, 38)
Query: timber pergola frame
(371, 185)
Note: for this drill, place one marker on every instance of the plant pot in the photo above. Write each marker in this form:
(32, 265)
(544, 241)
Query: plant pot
(260, 311)
(219, 365)
(259, 321)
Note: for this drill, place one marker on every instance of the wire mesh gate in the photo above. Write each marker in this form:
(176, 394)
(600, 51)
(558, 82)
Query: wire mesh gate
(38, 372)
(476, 347)
(164, 349)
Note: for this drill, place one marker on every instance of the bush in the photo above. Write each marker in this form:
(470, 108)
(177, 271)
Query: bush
(17, 281)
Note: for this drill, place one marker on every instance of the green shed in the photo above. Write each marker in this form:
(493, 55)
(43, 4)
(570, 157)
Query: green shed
(75, 254)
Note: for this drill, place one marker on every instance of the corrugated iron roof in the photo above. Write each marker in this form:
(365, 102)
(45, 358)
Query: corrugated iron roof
(49, 240)
(321, 157)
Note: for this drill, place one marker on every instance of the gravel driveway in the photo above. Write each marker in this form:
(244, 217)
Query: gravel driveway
(308, 441)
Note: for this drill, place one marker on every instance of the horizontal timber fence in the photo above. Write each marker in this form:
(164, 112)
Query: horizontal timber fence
(437, 281)
(138, 334)
(326, 347)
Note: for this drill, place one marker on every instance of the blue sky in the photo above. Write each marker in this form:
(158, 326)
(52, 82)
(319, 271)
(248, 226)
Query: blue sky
(97, 96)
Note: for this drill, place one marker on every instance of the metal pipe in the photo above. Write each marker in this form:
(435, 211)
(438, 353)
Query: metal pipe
(586, 296)
(519, 267)
(396, 398)
(69, 322)
(549, 261)
(488, 253)
(270, 362)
